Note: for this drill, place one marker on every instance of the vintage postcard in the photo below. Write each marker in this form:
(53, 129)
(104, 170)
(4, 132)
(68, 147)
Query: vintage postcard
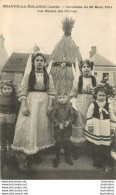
(58, 90)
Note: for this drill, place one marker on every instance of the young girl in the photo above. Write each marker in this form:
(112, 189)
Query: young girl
(100, 127)
(82, 90)
(33, 130)
(8, 111)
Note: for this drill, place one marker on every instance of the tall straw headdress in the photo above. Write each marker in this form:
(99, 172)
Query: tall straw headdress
(66, 57)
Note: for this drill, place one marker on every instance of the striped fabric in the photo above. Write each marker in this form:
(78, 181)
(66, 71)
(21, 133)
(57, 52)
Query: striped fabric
(100, 131)
(7, 118)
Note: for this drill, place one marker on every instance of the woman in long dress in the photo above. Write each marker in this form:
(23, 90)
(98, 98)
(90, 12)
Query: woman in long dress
(81, 95)
(33, 129)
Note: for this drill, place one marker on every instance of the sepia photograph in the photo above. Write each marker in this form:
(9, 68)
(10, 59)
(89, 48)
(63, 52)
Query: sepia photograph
(58, 90)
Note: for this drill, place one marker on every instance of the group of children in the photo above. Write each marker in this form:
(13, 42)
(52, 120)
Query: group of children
(84, 116)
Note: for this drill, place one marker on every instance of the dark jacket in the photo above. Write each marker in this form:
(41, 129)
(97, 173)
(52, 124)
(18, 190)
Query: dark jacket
(96, 113)
(9, 105)
(62, 114)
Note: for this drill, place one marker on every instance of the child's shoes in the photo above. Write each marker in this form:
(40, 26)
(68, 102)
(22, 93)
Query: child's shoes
(113, 154)
(98, 164)
(68, 160)
(56, 162)
(76, 156)
(76, 153)
(107, 168)
(28, 162)
(37, 158)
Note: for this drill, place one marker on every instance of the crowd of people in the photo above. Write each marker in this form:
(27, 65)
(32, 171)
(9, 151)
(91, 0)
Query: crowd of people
(49, 117)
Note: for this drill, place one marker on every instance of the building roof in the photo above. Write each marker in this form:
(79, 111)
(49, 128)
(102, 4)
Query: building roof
(101, 61)
(17, 62)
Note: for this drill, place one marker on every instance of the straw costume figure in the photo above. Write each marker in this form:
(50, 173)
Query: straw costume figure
(64, 55)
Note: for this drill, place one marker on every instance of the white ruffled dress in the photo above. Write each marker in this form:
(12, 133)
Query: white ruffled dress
(34, 132)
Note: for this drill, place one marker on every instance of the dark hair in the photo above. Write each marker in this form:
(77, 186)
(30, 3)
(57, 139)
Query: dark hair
(80, 83)
(88, 62)
(101, 88)
(62, 92)
(34, 56)
(10, 84)
(32, 77)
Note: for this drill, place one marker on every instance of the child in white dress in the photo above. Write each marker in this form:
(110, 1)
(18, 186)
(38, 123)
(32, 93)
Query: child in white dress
(100, 127)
